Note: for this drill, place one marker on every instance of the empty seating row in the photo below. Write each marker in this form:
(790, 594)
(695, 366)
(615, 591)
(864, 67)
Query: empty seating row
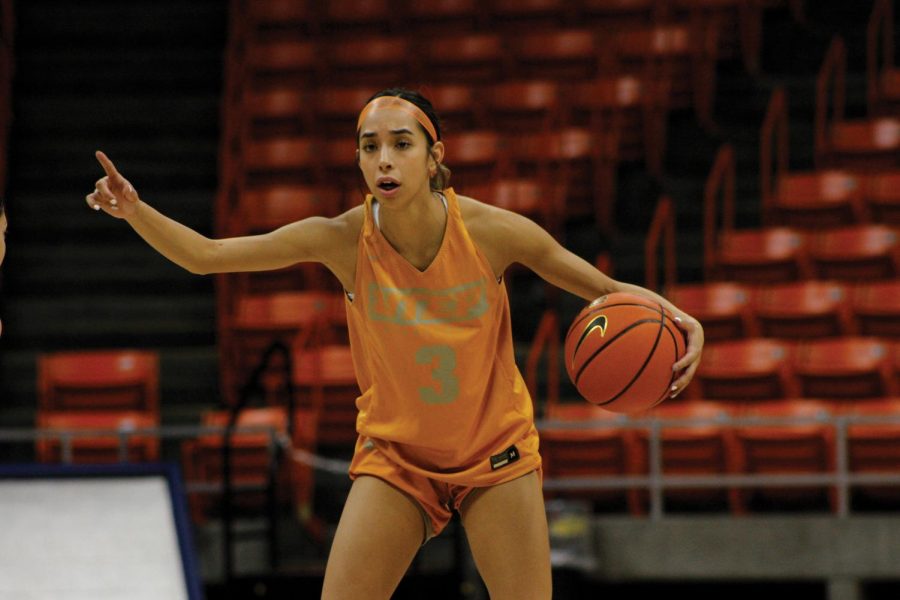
(790, 439)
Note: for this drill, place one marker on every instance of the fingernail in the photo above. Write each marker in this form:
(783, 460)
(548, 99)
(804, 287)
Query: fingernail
(114, 207)
(96, 207)
(678, 319)
(113, 202)
(674, 388)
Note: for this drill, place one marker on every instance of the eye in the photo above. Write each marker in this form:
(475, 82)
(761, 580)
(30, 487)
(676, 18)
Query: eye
(403, 144)
(368, 147)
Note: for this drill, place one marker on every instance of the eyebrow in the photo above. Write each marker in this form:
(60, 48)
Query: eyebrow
(369, 134)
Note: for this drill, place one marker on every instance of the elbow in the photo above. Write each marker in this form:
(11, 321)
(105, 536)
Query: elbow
(202, 261)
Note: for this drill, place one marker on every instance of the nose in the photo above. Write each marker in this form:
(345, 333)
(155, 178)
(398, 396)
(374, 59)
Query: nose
(384, 158)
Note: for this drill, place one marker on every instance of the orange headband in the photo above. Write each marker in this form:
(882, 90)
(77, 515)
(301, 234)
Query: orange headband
(404, 105)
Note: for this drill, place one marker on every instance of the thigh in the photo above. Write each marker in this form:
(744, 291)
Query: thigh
(506, 526)
(378, 535)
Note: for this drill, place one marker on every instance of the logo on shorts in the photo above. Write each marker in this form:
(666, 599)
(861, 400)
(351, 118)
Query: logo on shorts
(510, 455)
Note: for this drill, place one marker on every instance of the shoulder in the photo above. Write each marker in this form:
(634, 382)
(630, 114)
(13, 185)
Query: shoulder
(490, 223)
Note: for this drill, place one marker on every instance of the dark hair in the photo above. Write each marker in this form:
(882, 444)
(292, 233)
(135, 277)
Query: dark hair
(441, 179)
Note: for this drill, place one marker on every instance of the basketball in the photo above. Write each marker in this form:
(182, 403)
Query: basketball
(620, 350)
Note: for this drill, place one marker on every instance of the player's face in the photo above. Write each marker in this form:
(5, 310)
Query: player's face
(394, 156)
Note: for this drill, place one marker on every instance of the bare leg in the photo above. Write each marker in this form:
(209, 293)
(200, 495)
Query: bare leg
(379, 533)
(506, 526)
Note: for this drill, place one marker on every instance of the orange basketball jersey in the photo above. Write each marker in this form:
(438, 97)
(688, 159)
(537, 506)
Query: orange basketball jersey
(433, 352)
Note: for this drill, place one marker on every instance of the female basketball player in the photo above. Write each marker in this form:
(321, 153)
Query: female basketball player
(445, 420)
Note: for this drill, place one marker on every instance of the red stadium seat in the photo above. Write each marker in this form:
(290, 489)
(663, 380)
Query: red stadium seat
(743, 370)
(286, 64)
(279, 161)
(335, 109)
(861, 252)
(613, 15)
(634, 109)
(561, 55)
(346, 18)
(786, 449)
(582, 162)
(818, 199)
(530, 197)
(865, 145)
(767, 255)
(608, 451)
(845, 367)
(883, 197)
(876, 307)
(693, 449)
(446, 15)
(461, 107)
(723, 308)
(274, 112)
(376, 60)
(472, 58)
(276, 19)
(517, 107)
(873, 447)
(538, 14)
(475, 157)
(99, 380)
(803, 309)
(265, 209)
(677, 53)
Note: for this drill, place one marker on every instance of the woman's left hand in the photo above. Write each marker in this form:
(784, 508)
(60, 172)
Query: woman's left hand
(691, 359)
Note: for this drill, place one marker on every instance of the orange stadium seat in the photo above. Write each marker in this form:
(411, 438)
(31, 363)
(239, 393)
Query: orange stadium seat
(873, 447)
(692, 449)
(768, 255)
(723, 308)
(338, 155)
(818, 199)
(751, 369)
(283, 160)
(844, 368)
(473, 58)
(883, 197)
(259, 320)
(861, 252)
(251, 462)
(561, 55)
(325, 381)
(803, 309)
(591, 453)
(99, 380)
(539, 201)
(876, 308)
(98, 447)
(786, 449)
(335, 109)
(275, 112)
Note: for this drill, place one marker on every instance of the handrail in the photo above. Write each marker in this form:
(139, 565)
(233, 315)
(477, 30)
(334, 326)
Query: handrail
(881, 21)
(547, 336)
(721, 179)
(249, 391)
(834, 65)
(775, 131)
(662, 231)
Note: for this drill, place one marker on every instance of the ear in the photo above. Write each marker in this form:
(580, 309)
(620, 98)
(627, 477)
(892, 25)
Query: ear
(357, 156)
(437, 152)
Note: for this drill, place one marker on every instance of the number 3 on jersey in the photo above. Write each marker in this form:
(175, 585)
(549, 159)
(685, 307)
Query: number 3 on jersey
(448, 385)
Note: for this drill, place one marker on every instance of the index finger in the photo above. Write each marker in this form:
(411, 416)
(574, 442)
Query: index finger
(108, 166)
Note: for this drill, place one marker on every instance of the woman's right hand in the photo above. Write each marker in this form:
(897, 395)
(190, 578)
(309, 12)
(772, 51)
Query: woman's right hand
(113, 194)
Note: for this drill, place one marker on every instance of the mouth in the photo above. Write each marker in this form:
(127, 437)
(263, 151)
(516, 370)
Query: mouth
(387, 184)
